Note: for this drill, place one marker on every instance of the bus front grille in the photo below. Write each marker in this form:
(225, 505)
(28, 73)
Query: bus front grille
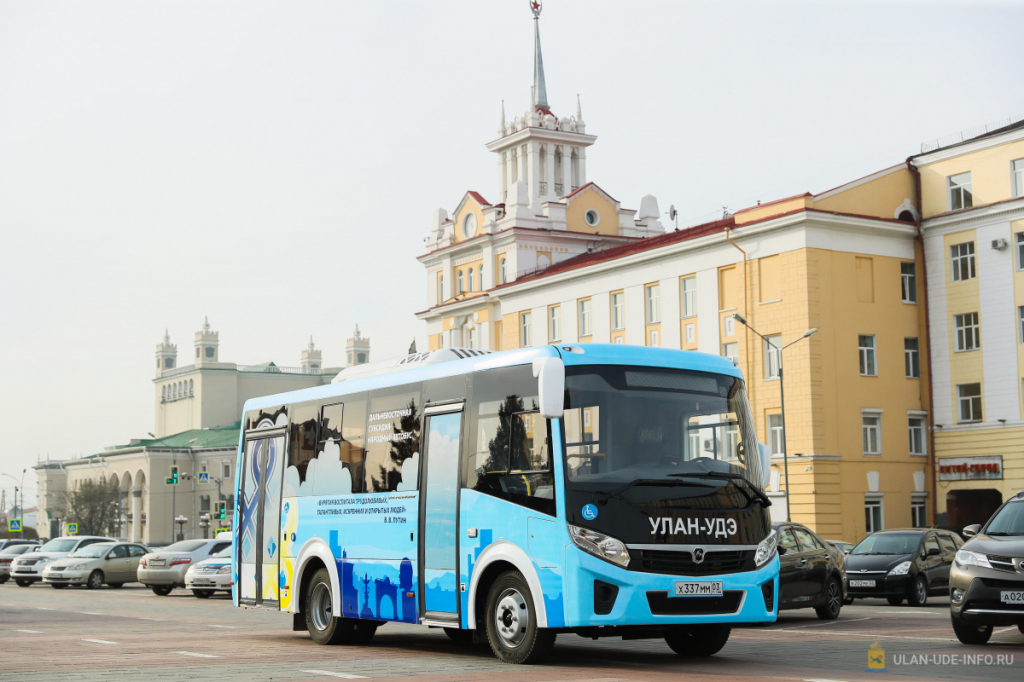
(670, 562)
(663, 605)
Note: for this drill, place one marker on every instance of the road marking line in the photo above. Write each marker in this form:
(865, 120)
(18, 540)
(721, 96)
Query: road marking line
(912, 613)
(192, 653)
(997, 632)
(823, 680)
(815, 625)
(233, 627)
(31, 632)
(99, 641)
(89, 613)
(344, 676)
(144, 618)
(42, 608)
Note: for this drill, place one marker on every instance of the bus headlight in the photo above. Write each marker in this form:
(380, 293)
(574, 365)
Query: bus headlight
(766, 550)
(600, 545)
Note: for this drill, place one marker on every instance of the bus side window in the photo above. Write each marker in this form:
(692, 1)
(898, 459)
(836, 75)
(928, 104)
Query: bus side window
(302, 438)
(353, 439)
(392, 438)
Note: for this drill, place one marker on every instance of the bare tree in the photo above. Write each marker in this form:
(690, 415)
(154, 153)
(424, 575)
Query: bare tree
(93, 505)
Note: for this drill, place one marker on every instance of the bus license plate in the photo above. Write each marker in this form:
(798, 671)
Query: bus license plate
(1014, 597)
(862, 583)
(702, 589)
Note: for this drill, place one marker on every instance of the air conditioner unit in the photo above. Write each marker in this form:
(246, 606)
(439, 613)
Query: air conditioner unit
(999, 244)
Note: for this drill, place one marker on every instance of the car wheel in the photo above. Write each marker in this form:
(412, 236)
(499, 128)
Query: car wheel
(1021, 628)
(919, 592)
(512, 628)
(971, 634)
(847, 601)
(324, 627)
(162, 590)
(57, 587)
(459, 636)
(115, 585)
(698, 640)
(833, 601)
(4, 578)
(203, 594)
(95, 580)
(23, 583)
(895, 601)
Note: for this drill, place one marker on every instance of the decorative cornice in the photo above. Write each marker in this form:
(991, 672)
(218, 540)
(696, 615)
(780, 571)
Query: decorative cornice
(969, 147)
(1003, 210)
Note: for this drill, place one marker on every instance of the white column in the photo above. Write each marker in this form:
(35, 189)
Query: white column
(670, 310)
(583, 166)
(502, 178)
(549, 171)
(566, 169)
(708, 316)
(600, 317)
(136, 516)
(448, 286)
(509, 178)
(636, 327)
(533, 179)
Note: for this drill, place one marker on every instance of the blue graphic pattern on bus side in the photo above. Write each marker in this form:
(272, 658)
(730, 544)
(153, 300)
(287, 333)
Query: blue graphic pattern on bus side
(510, 522)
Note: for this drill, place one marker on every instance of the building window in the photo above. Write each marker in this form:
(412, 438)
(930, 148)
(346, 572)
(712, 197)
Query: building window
(871, 434)
(775, 433)
(524, 329)
(1020, 318)
(961, 258)
(227, 471)
(916, 433)
(968, 398)
(459, 283)
(917, 513)
(691, 333)
(652, 338)
(618, 319)
(688, 296)
(480, 278)
(584, 318)
(772, 356)
(731, 351)
(968, 333)
(730, 326)
(960, 191)
(873, 516)
(470, 280)
(1020, 250)
(440, 288)
(866, 342)
(653, 296)
(204, 503)
(909, 281)
(555, 323)
(503, 270)
(618, 340)
(471, 337)
(911, 358)
(592, 217)
(1017, 171)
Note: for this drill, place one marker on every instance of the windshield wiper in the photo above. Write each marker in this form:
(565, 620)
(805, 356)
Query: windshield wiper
(733, 477)
(645, 481)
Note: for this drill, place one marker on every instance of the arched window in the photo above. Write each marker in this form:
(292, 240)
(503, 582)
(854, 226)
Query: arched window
(440, 288)
(190, 387)
(575, 171)
(163, 393)
(559, 172)
(470, 279)
(458, 283)
(503, 275)
(480, 286)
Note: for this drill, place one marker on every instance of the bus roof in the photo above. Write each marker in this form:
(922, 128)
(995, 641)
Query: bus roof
(405, 371)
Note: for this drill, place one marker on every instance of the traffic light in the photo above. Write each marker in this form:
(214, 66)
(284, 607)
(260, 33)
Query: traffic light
(173, 478)
(221, 508)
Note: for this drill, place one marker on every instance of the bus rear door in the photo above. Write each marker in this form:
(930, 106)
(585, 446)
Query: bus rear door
(261, 518)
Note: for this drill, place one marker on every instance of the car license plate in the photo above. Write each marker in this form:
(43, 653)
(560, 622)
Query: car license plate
(56, 575)
(201, 581)
(157, 562)
(702, 589)
(862, 583)
(1012, 597)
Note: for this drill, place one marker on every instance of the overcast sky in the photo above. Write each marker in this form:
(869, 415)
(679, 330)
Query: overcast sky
(275, 165)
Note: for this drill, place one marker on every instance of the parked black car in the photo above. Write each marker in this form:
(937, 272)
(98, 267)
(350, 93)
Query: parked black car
(910, 564)
(811, 572)
(987, 578)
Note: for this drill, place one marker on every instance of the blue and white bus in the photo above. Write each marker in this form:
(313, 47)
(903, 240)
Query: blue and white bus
(507, 497)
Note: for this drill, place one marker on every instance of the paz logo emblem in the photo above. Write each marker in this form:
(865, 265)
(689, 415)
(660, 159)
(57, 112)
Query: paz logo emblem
(698, 555)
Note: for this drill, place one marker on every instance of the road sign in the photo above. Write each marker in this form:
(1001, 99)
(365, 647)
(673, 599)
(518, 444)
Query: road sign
(14, 525)
(204, 476)
(72, 529)
(221, 530)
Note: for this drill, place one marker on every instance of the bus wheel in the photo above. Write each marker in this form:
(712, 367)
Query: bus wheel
(321, 622)
(362, 631)
(512, 628)
(459, 636)
(698, 640)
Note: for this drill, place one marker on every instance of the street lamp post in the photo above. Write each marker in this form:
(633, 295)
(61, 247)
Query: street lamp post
(18, 510)
(181, 520)
(782, 397)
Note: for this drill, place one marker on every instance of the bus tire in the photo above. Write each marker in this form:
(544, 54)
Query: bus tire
(511, 618)
(698, 640)
(362, 631)
(323, 626)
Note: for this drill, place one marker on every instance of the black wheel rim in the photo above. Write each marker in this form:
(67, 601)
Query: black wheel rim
(834, 600)
(922, 591)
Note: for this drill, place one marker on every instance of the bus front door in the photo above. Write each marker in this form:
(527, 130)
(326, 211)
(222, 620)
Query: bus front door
(261, 520)
(438, 569)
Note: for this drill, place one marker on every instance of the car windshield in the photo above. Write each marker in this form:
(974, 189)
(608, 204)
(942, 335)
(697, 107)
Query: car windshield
(92, 551)
(224, 553)
(1008, 521)
(59, 545)
(16, 549)
(627, 424)
(186, 546)
(889, 543)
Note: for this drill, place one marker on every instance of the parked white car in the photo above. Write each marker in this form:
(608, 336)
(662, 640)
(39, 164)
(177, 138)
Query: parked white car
(28, 568)
(210, 575)
(164, 569)
(7, 557)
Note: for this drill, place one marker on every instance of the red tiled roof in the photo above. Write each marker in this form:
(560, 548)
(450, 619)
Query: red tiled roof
(479, 199)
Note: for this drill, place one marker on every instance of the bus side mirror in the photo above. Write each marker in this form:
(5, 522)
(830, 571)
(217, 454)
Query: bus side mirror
(550, 374)
(766, 463)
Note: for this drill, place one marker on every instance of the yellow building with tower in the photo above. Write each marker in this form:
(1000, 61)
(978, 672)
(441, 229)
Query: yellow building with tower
(557, 259)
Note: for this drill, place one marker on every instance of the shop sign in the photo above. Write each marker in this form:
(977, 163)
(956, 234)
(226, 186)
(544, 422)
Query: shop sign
(970, 468)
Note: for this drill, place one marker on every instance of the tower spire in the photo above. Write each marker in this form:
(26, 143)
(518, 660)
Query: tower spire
(540, 93)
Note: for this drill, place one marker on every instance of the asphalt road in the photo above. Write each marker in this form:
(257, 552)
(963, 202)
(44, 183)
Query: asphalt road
(131, 634)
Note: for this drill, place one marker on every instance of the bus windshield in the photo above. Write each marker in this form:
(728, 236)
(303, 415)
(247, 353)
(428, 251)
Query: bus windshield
(631, 423)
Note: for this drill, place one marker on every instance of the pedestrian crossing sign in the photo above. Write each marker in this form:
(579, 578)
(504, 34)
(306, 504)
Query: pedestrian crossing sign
(72, 529)
(221, 530)
(204, 477)
(14, 525)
